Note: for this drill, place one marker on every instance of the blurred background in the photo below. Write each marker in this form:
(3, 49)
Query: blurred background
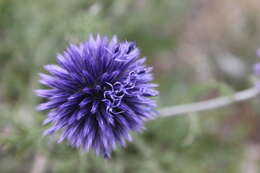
(200, 49)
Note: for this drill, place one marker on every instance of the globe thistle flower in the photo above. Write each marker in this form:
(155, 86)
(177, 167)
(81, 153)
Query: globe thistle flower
(97, 94)
(256, 68)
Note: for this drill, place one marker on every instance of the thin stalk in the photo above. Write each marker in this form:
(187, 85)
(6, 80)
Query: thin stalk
(209, 104)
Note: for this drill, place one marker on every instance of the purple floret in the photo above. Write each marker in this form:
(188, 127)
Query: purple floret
(98, 93)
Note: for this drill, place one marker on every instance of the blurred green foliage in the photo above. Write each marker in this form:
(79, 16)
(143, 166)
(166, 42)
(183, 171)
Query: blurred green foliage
(32, 32)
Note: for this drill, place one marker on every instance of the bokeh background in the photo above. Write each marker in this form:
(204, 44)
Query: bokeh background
(200, 49)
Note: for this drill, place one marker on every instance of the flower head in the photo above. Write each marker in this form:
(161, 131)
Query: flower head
(256, 68)
(97, 94)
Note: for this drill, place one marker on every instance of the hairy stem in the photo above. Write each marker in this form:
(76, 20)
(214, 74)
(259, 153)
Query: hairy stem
(209, 104)
(39, 164)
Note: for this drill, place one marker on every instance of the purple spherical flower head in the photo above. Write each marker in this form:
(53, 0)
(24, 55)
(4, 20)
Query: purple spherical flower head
(98, 93)
(256, 68)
